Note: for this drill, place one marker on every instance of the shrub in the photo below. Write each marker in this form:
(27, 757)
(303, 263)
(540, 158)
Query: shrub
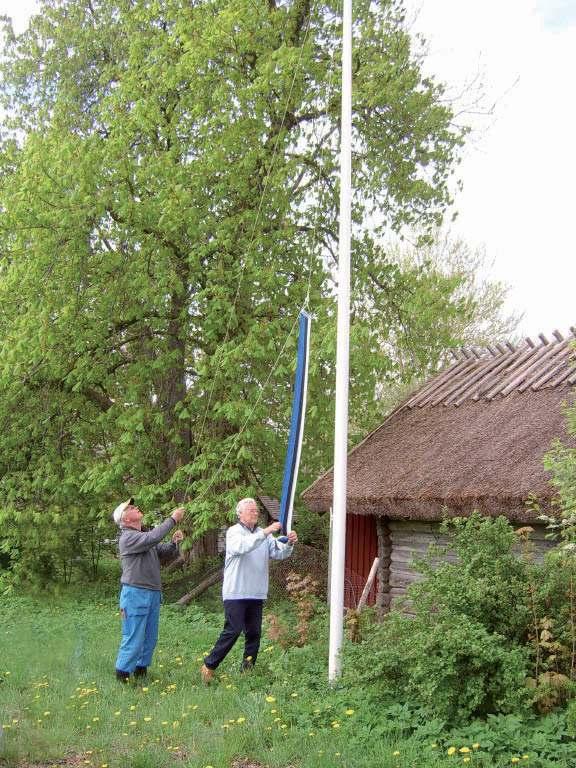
(450, 665)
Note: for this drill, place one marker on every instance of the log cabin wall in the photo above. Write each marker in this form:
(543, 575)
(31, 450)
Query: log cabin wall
(411, 540)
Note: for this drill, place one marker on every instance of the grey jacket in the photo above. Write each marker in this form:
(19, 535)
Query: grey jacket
(140, 553)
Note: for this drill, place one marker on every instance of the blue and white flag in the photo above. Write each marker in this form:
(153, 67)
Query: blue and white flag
(296, 425)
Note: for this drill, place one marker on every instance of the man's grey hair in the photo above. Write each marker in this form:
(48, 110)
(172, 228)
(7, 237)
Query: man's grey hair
(243, 503)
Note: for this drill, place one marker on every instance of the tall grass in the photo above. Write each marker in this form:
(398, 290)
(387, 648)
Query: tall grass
(59, 698)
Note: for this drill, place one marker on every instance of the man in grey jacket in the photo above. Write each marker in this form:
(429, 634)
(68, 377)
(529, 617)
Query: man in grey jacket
(248, 552)
(140, 596)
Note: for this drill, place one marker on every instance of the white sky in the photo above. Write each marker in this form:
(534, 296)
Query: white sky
(519, 170)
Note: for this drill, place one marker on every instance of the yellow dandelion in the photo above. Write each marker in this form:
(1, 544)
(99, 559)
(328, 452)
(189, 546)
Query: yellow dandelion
(133, 707)
(273, 711)
(241, 720)
(46, 714)
(515, 760)
(294, 695)
(451, 750)
(396, 753)
(349, 712)
(95, 719)
(466, 760)
(118, 712)
(336, 754)
(14, 720)
(283, 725)
(335, 725)
(464, 750)
(133, 722)
(145, 688)
(311, 733)
(176, 724)
(270, 699)
(476, 745)
(525, 757)
(147, 719)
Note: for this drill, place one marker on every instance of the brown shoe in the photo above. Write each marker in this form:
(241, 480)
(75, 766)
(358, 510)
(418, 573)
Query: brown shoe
(207, 674)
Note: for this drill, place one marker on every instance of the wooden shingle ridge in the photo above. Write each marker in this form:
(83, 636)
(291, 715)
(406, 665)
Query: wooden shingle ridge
(499, 370)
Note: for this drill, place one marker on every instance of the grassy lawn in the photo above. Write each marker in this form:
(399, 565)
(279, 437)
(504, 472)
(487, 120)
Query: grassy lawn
(61, 705)
(60, 701)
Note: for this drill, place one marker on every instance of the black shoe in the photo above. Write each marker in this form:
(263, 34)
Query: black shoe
(140, 671)
(247, 665)
(122, 676)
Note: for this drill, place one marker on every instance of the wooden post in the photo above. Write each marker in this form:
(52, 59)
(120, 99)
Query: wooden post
(383, 598)
(368, 585)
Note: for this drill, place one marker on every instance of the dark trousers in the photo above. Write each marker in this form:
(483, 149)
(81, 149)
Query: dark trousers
(240, 616)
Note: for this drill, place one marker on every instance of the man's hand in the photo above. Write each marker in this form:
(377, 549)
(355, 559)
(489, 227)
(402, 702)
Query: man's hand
(292, 537)
(178, 514)
(272, 528)
(177, 537)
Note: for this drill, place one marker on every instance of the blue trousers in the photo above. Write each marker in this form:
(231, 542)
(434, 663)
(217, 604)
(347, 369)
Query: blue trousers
(140, 610)
(240, 616)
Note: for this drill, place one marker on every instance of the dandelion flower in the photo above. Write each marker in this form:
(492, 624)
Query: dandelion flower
(145, 688)
(270, 699)
(294, 695)
(396, 753)
(476, 746)
(241, 720)
(349, 712)
(525, 757)
(464, 750)
(515, 760)
(466, 760)
(451, 750)
(147, 719)
(46, 714)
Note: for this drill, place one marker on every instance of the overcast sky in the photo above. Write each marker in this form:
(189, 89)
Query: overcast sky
(519, 170)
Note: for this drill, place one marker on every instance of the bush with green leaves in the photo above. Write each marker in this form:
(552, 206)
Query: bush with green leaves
(450, 665)
(466, 650)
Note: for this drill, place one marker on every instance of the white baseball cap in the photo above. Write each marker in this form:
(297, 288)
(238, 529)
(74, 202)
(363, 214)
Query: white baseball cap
(120, 509)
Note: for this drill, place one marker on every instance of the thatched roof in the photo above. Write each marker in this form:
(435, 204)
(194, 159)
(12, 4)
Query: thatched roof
(473, 437)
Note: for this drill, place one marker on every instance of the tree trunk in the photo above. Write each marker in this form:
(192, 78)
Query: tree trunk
(202, 587)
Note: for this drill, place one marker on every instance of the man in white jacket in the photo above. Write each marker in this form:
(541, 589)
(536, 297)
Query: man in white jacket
(248, 552)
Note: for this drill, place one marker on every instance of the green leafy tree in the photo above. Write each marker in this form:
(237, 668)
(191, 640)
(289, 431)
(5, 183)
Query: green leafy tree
(168, 200)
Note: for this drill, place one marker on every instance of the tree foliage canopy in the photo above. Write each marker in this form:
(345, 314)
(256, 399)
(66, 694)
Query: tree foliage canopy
(168, 199)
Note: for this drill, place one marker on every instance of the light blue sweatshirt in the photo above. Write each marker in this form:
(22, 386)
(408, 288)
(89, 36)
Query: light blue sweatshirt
(247, 556)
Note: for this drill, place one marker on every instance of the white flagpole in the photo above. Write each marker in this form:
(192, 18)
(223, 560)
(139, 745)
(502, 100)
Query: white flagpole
(342, 354)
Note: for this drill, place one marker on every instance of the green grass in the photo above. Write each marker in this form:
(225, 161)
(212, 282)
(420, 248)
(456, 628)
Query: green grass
(59, 699)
